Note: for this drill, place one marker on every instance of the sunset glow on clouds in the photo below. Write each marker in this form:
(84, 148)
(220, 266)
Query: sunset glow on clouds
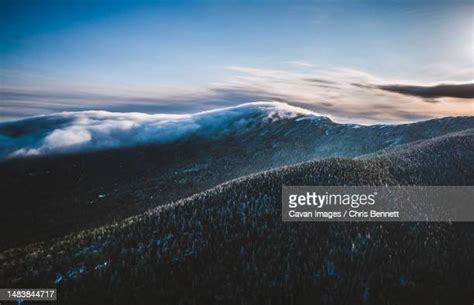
(343, 94)
(356, 61)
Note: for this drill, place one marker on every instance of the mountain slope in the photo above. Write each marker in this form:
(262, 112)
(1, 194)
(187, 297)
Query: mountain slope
(228, 244)
(53, 194)
(77, 132)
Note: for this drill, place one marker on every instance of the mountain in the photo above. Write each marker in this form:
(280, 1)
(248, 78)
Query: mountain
(70, 132)
(231, 238)
(70, 171)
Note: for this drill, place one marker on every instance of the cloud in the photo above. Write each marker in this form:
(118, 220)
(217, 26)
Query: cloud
(67, 98)
(301, 63)
(128, 117)
(96, 130)
(346, 95)
(463, 91)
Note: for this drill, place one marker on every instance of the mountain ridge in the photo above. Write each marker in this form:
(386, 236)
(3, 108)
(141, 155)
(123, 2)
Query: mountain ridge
(83, 131)
(52, 195)
(237, 226)
(92, 131)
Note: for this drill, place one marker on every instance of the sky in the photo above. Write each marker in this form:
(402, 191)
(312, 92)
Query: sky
(356, 61)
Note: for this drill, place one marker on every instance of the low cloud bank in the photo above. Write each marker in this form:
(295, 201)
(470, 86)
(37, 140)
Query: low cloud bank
(95, 130)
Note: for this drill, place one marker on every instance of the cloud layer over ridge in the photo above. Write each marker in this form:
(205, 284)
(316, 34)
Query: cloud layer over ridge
(95, 130)
(344, 94)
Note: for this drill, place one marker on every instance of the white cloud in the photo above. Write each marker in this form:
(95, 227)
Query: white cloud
(96, 130)
(301, 63)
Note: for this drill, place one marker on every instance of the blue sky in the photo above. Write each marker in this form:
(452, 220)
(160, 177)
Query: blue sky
(193, 45)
